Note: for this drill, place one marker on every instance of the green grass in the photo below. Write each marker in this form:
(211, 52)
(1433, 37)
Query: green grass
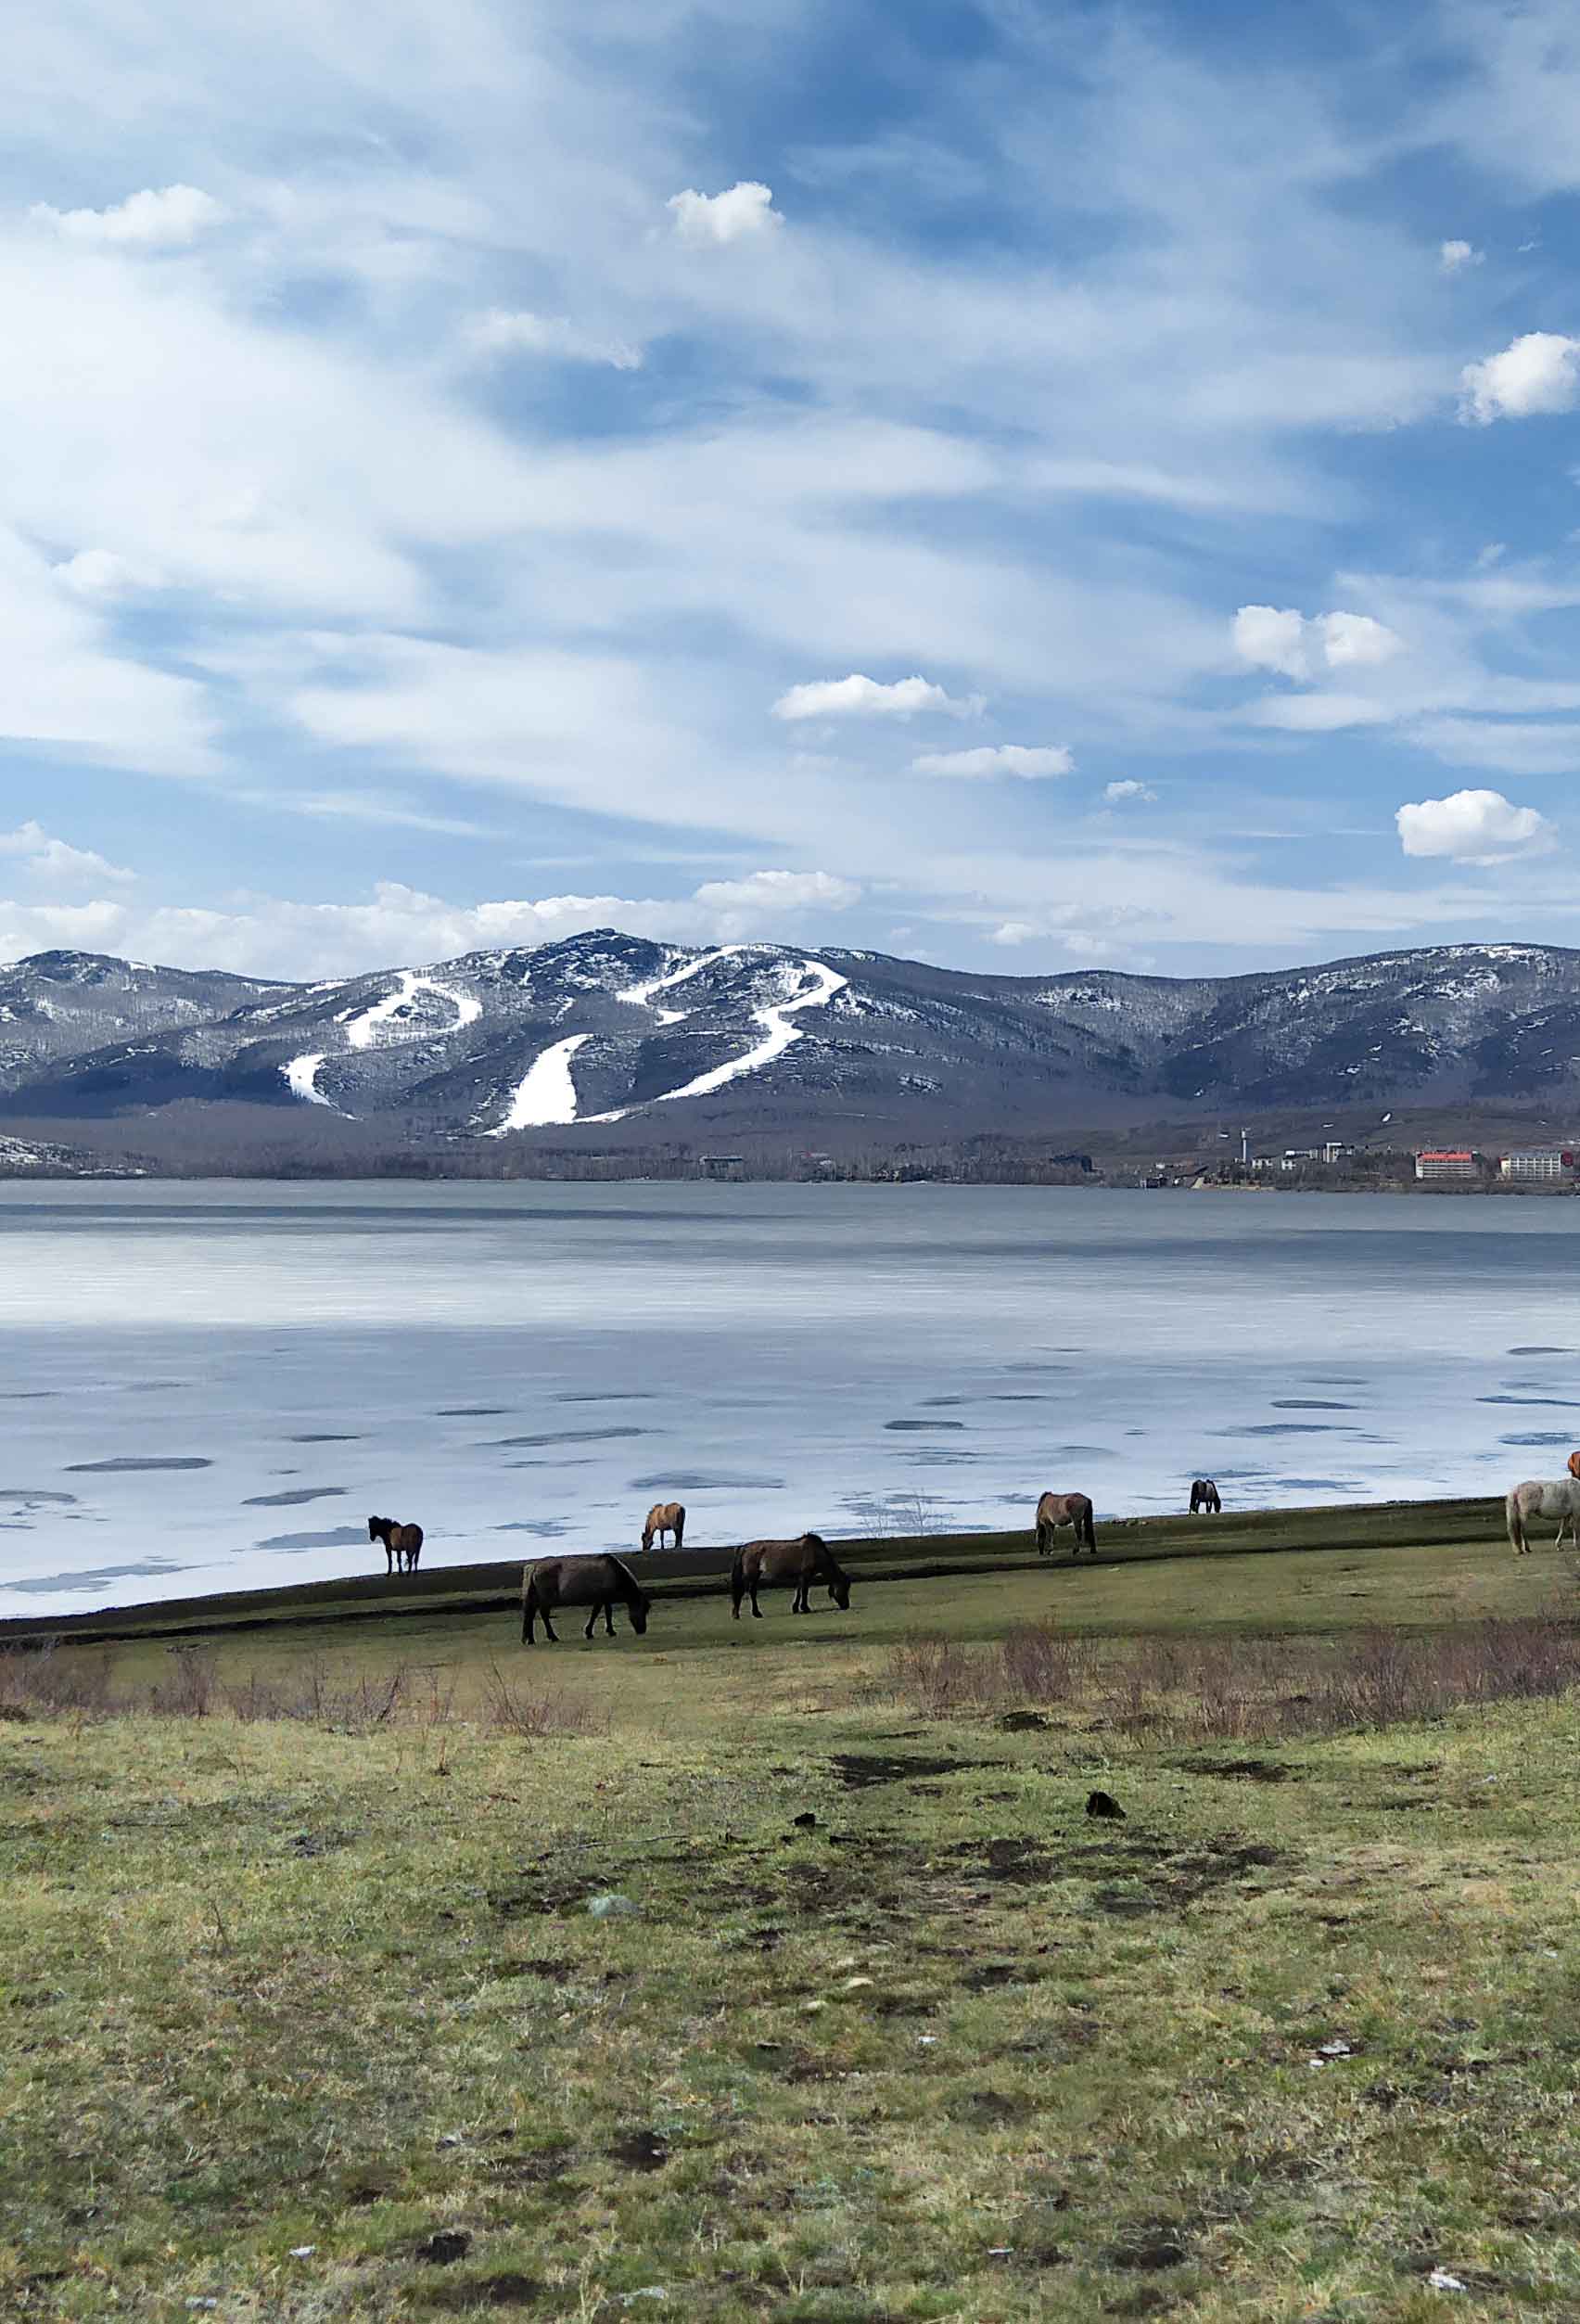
(954, 2050)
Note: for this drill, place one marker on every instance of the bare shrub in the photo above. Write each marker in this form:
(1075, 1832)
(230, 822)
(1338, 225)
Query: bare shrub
(510, 1709)
(1247, 1690)
(38, 1680)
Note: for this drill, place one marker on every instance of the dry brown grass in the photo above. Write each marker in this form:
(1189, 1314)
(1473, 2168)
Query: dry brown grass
(1253, 1690)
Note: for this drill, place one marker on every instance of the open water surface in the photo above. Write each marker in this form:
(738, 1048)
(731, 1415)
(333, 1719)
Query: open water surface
(209, 1387)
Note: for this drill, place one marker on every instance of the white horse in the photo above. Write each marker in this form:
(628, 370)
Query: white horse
(1558, 1496)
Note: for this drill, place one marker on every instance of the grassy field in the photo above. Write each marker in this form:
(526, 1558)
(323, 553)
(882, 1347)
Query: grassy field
(309, 2018)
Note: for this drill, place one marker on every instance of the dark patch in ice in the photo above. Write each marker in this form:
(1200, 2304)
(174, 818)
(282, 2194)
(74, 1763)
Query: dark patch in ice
(562, 1436)
(130, 1462)
(26, 1497)
(547, 1528)
(933, 1457)
(335, 1537)
(907, 1424)
(1078, 1452)
(1308, 1404)
(605, 1396)
(929, 1402)
(149, 1387)
(1285, 1429)
(324, 1437)
(1557, 1403)
(1336, 1379)
(1538, 1348)
(1026, 1396)
(472, 1411)
(96, 1576)
(1313, 1485)
(706, 1481)
(27, 1395)
(1549, 1437)
(294, 1499)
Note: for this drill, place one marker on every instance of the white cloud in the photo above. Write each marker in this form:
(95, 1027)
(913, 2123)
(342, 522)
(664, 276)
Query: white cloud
(1271, 638)
(1539, 372)
(1351, 639)
(163, 220)
(1454, 257)
(1012, 932)
(1473, 827)
(769, 894)
(98, 575)
(865, 697)
(506, 330)
(742, 210)
(1028, 761)
(1116, 794)
(53, 862)
(1317, 713)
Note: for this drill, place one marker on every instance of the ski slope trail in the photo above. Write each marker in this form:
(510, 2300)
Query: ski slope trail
(778, 1034)
(391, 1018)
(641, 996)
(547, 1092)
(302, 1074)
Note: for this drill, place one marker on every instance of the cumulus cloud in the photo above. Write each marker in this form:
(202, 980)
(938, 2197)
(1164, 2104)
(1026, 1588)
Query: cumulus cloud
(1454, 257)
(1539, 372)
(165, 218)
(1027, 761)
(1270, 637)
(53, 862)
(98, 575)
(740, 212)
(865, 697)
(395, 926)
(1473, 827)
(1118, 793)
(509, 331)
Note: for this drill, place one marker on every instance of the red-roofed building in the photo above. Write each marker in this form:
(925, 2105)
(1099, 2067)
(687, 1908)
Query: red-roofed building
(1448, 1162)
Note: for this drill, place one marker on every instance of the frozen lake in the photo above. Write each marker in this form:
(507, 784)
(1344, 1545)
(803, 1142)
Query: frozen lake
(209, 1387)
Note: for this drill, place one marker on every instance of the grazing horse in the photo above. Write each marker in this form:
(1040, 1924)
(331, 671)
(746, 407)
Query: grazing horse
(402, 1544)
(1557, 1497)
(1064, 1509)
(580, 1581)
(803, 1562)
(665, 1516)
(1205, 1495)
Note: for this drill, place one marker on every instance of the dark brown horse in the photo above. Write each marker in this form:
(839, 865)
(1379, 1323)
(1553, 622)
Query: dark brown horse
(402, 1544)
(665, 1516)
(1064, 1509)
(580, 1581)
(802, 1561)
(1205, 1495)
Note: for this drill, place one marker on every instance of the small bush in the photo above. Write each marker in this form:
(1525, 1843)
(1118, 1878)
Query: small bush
(1245, 1690)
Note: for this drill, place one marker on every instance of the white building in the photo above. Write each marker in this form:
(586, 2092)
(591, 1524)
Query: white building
(1539, 1163)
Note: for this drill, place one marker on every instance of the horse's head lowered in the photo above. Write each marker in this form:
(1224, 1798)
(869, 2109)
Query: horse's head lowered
(838, 1587)
(637, 1609)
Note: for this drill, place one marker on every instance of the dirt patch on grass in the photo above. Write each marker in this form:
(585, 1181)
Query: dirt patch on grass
(1247, 1770)
(858, 1770)
(487, 2292)
(639, 2150)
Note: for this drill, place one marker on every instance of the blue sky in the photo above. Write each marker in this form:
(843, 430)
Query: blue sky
(1017, 484)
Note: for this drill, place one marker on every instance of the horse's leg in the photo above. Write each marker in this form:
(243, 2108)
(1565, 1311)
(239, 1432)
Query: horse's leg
(548, 1630)
(608, 1618)
(591, 1622)
(756, 1610)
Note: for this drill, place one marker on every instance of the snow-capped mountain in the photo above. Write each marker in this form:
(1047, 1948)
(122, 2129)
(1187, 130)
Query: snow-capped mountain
(610, 1038)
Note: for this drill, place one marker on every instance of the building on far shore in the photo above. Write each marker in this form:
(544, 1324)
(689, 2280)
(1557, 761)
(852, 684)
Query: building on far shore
(1447, 1162)
(1548, 1164)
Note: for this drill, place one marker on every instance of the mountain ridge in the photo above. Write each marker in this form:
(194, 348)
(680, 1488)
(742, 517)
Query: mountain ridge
(604, 1039)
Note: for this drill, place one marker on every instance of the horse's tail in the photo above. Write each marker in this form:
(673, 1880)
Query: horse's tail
(1516, 1518)
(1088, 1531)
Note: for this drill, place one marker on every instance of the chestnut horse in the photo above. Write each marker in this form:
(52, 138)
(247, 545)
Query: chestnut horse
(665, 1516)
(402, 1544)
(580, 1581)
(1064, 1509)
(1205, 1495)
(802, 1561)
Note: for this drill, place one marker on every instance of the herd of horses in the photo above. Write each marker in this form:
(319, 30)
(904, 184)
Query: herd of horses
(603, 1581)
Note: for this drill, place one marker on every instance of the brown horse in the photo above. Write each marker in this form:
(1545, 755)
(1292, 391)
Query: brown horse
(665, 1516)
(1205, 1495)
(803, 1562)
(402, 1544)
(580, 1581)
(1064, 1509)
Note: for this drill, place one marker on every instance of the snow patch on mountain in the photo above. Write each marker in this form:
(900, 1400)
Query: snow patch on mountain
(398, 1017)
(301, 1073)
(641, 996)
(778, 1034)
(547, 1093)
